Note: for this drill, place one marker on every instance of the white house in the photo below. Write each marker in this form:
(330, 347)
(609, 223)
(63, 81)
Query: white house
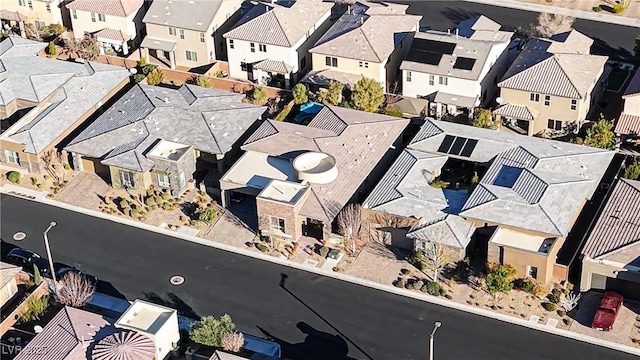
(456, 70)
(270, 44)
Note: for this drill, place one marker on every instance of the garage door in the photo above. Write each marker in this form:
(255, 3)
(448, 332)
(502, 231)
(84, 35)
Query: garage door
(94, 166)
(627, 284)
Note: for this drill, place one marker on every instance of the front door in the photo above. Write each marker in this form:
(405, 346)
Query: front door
(313, 228)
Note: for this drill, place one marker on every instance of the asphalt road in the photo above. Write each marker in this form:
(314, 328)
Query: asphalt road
(313, 317)
(615, 41)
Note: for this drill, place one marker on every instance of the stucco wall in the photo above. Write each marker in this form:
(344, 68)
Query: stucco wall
(83, 24)
(141, 181)
(350, 66)
(7, 291)
(39, 11)
(632, 105)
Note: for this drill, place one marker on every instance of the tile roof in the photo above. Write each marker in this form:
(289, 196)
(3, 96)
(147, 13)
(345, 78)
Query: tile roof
(628, 124)
(516, 112)
(633, 87)
(112, 34)
(278, 25)
(367, 33)
(356, 139)
(556, 68)
(279, 67)
(210, 120)
(619, 223)
(8, 272)
(121, 8)
(62, 337)
(194, 15)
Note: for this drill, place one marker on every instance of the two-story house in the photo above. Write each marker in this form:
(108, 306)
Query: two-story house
(269, 45)
(628, 124)
(40, 13)
(188, 33)
(552, 85)
(369, 40)
(116, 24)
(456, 71)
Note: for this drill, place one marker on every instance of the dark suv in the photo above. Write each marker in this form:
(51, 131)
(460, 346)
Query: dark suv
(27, 259)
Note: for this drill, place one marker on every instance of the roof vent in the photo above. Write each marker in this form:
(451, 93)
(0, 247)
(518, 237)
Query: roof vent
(166, 7)
(168, 13)
(154, 16)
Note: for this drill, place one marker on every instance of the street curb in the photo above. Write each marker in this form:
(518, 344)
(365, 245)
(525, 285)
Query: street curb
(339, 276)
(581, 14)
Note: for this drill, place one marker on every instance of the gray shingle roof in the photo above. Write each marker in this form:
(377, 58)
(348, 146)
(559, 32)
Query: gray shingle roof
(619, 223)
(210, 120)
(194, 15)
(278, 25)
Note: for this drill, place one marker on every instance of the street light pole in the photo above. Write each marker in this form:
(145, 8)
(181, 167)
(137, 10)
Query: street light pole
(433, 333)
(46, 244)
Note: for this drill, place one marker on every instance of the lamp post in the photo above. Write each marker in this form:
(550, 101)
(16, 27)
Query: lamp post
(46, 244)
(433, 333)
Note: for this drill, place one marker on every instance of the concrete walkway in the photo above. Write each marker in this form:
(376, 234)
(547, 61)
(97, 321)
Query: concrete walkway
(581, 14)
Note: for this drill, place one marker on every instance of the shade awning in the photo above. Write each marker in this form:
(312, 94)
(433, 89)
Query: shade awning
(413, 106)
(519, 112)
(12, 15)
(158, 44)
(112, 34)
(322, 78)
(279, 67)
(452, 99)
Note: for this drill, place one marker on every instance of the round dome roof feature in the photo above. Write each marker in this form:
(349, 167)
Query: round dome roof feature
(316, 167)
(125, 345)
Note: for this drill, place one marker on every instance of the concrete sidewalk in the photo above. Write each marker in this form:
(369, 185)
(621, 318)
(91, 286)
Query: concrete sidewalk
(580, 14)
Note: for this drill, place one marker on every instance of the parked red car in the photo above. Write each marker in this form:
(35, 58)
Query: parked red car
(608, 311)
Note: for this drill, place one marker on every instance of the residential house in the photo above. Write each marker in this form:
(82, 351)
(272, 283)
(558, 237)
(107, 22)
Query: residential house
(456, 71)
(116, 24)
(43, 100)
(529, 193)
(302, 176)
(552, 86)
(628, 124)
(269, 45)
(40, 13)
(155, 135)
(611, 254)
(8, 282)
(188, 34)
(145, 331)
(369, 40)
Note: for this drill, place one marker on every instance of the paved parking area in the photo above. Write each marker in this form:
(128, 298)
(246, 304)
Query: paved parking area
(85, 190)
(378, 262)
(231, 230)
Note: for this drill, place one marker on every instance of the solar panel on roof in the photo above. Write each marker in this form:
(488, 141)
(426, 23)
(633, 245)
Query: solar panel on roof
(464, 63)
(457, 146)
(424, 57)
(433, 46)
(446, 144)
(468, 147)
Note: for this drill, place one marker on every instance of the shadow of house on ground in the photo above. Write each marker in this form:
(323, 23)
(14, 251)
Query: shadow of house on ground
(173, 301)
(458, 14)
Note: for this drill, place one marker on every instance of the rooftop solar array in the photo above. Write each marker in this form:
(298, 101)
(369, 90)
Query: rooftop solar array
(464, 63)
(458, 146)
(429, 52)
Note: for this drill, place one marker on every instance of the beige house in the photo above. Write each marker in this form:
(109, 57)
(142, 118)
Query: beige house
(116, 24)
(552, 86)
(8, 281)
(628, 124)
(611, 255)
(270, 44)
(40, 13)
(369, 40)
(43, 100)
(188, 34)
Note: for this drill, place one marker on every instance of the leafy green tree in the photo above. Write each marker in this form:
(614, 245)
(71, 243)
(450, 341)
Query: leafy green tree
(483, 118)
(258, 95)
(332, 95)
(600, 135)
(155, 77)
(51, 49)
(499, 279)
(632, 171)
(367, 95)
(210, 331)
(204, 82)
(300, 94)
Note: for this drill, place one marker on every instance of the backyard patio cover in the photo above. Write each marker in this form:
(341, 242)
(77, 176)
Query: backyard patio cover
(158, 44)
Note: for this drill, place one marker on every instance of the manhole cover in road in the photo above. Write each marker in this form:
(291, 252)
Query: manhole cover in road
(177, 280)
(19, 236)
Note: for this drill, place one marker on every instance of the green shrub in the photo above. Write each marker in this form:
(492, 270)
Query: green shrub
(206, 214)
(524, 285)
(442, 292)
(284, 113)
(166, 196)
(561, 312)
(35, 309)
(14, 177)
(210, 331)
(345, 104)
(462, 268)
(204, 82)
(555, 296)
(618, 8)
(135, 214)
(499, 278)
(258, 95)
(405, 271)
(67, 167)
(124, 204)
(51, 49)
(147, 68)
(138, 77)
(596, 8)
(156, 77)
(300, 94)
(399, 283)
(419, 284)
(549, 306)
(408, 286)
(158, 199)
(392, 111)
(150, 201)
(439, 184)
(262, 247)
(34, 181)
(324, 251)
(433, 288)
(415, 259)
(448, 297)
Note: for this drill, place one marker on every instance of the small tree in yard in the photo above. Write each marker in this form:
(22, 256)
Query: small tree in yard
(87, 48)
(210, 331)
(51, 49)
(156, 77)
(632, 171)
(367, 95)
(233, 341)
(204, 81)
(600, 135)
(300, 94)
(483, 118)
(332, 95)
(499, 279)
(350, 224)
(259, 95)
(436, 255)
(551, 24)
(74, 290)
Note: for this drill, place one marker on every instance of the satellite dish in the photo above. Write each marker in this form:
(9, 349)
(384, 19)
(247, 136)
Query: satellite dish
(133, 71)
(37, 329)
(500, 100)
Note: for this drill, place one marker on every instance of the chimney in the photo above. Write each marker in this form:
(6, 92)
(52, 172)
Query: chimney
(361, 21)
(166, 100)
(448, 31)
(457, 32)
(84, 344)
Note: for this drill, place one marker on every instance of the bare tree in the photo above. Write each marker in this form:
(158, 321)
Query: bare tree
(86, 48)
(49, 158)
(233, 342)
(74, 290)
(570, 301)
(551, 24)
(436, 255)
(350, 224)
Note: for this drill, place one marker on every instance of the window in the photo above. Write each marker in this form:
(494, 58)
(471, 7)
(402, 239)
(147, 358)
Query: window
(534, 97)
(432, 79)
(363, 64)
(547, 100)
(202, 37)
(331, 61)
(277, 224)
(191, 55)
(74, 14)
(126, 178)
(574, 104)
(172, 31)
(532, 271)
(253, 47)
(48, 7)
(408, 76)
(163, 180)
(230, 43)
(30, 4)
(40, 25)
(443, 80)
(262, 47)
(182, 34)
(303, 63)
(554, 124)
(12, 157)
(22, 3)
(93, 17)
(102, 17)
